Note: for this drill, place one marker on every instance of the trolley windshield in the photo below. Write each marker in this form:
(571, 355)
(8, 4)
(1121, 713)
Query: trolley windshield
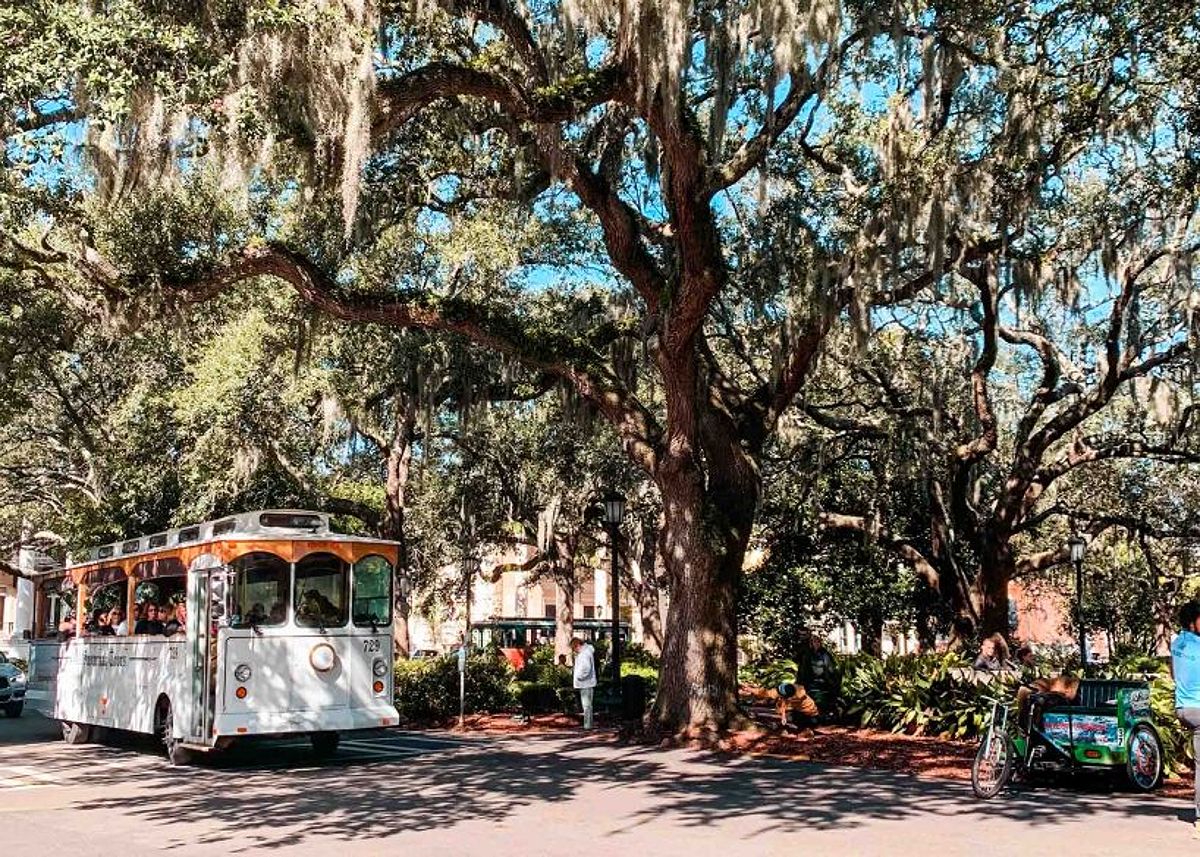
(372, 592)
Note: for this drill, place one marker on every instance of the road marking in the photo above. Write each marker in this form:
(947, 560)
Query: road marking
(18, 777)
(427, 739)
(380, 754)
(392, 744)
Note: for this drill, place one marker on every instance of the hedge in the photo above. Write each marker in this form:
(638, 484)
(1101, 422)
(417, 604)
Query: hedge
(427, 690)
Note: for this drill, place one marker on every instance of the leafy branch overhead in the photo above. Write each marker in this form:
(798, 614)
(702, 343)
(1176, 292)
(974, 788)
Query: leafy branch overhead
(942, 240)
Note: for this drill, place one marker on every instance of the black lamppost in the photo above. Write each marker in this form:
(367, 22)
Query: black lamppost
(1077, 546)
(614, 514)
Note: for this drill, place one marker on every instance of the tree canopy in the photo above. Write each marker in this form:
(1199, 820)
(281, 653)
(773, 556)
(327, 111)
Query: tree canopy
(952, 232)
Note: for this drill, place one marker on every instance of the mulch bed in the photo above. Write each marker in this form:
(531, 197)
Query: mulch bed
(922, 756)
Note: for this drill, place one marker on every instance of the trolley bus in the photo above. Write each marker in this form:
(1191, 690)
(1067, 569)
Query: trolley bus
(261, 623)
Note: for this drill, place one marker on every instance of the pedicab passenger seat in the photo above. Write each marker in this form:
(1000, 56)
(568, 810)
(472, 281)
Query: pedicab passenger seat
(1101, 694)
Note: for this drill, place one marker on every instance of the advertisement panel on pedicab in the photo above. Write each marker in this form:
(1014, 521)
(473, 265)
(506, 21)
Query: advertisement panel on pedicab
(1085, 730)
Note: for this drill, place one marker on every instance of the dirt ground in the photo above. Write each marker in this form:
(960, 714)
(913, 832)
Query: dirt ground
(922, 756)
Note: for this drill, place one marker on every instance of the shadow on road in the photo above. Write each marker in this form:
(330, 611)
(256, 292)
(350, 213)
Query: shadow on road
(246, 808)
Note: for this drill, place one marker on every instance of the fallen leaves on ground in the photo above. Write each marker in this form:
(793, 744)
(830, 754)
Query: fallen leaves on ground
(922, 756)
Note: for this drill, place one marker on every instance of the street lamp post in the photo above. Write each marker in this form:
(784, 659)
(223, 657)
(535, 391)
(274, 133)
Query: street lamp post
(614, 513)
(470, 566)
(1077, 546)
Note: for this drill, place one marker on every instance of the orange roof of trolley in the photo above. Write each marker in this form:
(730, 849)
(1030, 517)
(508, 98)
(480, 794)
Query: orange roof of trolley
(290, 534)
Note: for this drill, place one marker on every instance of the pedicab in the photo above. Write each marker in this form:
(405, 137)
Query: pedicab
(1106, 727)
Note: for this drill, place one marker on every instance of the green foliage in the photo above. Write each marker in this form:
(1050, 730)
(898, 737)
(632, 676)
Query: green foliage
(635, 654)
(769, 673)
(920, 695)
(646, 672)
(427, 690)
(542, 667)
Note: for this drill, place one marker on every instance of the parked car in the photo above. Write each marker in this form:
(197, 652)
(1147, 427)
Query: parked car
(12, 687)
(425, 655)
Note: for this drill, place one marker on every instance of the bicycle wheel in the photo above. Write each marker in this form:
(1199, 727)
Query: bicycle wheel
(1144, 763)
(993, 765)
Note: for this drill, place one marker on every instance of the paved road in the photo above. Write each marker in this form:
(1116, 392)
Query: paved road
(436, 793)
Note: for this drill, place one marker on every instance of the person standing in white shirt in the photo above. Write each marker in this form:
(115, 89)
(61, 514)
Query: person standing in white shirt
(585, 677)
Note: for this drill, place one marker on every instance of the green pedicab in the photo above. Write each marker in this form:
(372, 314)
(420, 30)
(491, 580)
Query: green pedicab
(1107, 727)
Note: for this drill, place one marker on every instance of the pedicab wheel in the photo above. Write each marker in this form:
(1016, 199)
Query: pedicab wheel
(1144, 758)
(993, 766)
(76, 733)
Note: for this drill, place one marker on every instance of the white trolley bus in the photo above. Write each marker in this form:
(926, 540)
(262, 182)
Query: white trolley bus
(262, 623)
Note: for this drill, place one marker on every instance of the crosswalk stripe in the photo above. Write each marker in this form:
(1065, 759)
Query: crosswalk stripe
(18, 777)
(383, 754)
(387, 744)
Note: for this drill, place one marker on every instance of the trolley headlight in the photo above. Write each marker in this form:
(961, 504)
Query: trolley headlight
(242, 673)
(322, 657)
(19, 678)
(379, 668)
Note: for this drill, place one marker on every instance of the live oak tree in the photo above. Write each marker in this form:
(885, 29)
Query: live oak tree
(755, 173)
(1073, 353)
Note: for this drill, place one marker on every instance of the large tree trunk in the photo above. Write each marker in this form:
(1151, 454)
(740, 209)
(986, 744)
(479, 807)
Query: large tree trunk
(643, 559)
(996, 568)
(704, 538)
(564, 617)
(870, 628)
(398, 465)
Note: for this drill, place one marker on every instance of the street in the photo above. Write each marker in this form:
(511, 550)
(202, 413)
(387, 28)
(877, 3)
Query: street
(438, 793)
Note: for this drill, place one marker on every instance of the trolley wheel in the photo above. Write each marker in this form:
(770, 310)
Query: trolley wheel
(1144, 758)
(76, 733)
(324, 744)
(993, 765)
(14, 709)
(176, 753)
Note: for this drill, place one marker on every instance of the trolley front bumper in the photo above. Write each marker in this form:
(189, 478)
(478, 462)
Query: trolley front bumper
(291, 722)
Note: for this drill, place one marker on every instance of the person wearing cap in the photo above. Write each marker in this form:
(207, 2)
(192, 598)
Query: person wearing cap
(585, 677)
(1185, 669)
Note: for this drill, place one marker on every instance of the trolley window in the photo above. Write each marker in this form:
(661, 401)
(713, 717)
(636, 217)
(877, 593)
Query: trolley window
(261, 590)
(372, 592)
(321, 590)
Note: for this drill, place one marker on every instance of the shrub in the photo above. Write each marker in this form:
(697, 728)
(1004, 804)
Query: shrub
(646, 672)
(638, 655)
(769, 674)
(541, 666)
(933, 694)
(428, 690)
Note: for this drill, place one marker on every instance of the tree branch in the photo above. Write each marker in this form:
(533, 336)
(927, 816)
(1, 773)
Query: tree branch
(491, 327)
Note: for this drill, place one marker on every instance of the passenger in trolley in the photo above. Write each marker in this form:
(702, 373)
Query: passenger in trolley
(196, 670)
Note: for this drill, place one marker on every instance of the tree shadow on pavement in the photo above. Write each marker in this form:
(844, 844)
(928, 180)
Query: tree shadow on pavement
(244, 807)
